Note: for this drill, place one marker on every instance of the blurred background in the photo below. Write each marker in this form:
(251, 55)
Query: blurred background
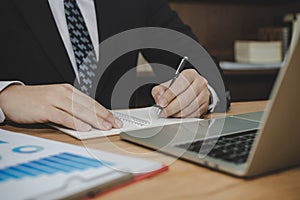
(249, 37)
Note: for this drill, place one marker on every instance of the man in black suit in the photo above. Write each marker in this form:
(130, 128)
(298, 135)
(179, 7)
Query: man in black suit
(36, 50)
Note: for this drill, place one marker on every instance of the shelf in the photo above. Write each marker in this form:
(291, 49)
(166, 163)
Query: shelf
(218, 24)
(251, 72)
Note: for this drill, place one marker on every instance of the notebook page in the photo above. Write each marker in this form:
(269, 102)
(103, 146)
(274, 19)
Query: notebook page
(140, 113)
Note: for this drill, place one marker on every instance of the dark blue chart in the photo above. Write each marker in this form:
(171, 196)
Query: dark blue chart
(63, 162)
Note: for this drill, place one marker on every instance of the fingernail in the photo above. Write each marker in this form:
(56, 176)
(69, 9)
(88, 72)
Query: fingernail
(163, 102)
(163, 114)
(107, 125)
(85, 127)
(119, 123)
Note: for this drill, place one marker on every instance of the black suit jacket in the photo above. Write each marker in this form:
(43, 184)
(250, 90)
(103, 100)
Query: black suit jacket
(32, 50)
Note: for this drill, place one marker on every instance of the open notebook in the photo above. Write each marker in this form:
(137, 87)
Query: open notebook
(35, 168)
(133, 119)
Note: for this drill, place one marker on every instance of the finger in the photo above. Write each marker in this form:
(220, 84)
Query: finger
(104, 116)
(82, 113)
(179, 86)
(199, 112)
(187, 110)
(87, 110)
(158, 91)
(60, 117)
(90, 116)
(202, 98)
(188, 100)
(180, 102)
(193, 107)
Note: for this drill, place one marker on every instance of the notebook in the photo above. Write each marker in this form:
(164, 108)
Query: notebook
(133, 119)
(35, 168)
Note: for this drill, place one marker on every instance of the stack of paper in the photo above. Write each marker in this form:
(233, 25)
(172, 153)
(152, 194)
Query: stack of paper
(258, 52)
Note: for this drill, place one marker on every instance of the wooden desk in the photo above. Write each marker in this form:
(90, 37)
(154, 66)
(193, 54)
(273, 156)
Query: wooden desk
(186, 180)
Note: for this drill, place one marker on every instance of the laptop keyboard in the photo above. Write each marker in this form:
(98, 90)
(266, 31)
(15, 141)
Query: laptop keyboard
(232, 148)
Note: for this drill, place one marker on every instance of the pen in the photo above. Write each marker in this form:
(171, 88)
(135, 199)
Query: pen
(180, 66)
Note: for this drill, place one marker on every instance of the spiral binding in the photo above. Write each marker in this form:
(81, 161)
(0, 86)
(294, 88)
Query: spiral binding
(134, 120)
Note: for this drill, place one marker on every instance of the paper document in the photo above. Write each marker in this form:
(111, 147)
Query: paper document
(142, 118)
(35, 168)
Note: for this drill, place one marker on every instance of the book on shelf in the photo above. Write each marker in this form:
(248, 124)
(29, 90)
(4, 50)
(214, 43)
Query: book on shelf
(258, 52)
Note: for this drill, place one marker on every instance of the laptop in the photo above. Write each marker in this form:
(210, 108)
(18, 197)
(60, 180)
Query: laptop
(243, 145)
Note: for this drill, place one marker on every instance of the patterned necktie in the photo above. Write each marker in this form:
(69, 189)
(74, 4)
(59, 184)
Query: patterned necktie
(83, 48)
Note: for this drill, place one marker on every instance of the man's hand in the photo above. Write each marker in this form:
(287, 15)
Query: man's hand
(187, 97)
(61, 104)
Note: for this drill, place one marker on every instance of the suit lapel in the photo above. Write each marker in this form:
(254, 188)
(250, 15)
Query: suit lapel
(103, 33)
(39, 17)
(103, 19)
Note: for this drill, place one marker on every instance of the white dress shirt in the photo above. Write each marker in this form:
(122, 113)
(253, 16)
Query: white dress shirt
(87, 8)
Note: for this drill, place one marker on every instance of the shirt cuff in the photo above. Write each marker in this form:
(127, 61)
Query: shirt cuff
(214, 99)
(3, 85)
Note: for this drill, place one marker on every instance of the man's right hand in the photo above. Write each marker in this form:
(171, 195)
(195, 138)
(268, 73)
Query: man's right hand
(61, 104)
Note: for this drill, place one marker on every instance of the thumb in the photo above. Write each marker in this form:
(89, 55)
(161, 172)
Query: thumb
(158, 91)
